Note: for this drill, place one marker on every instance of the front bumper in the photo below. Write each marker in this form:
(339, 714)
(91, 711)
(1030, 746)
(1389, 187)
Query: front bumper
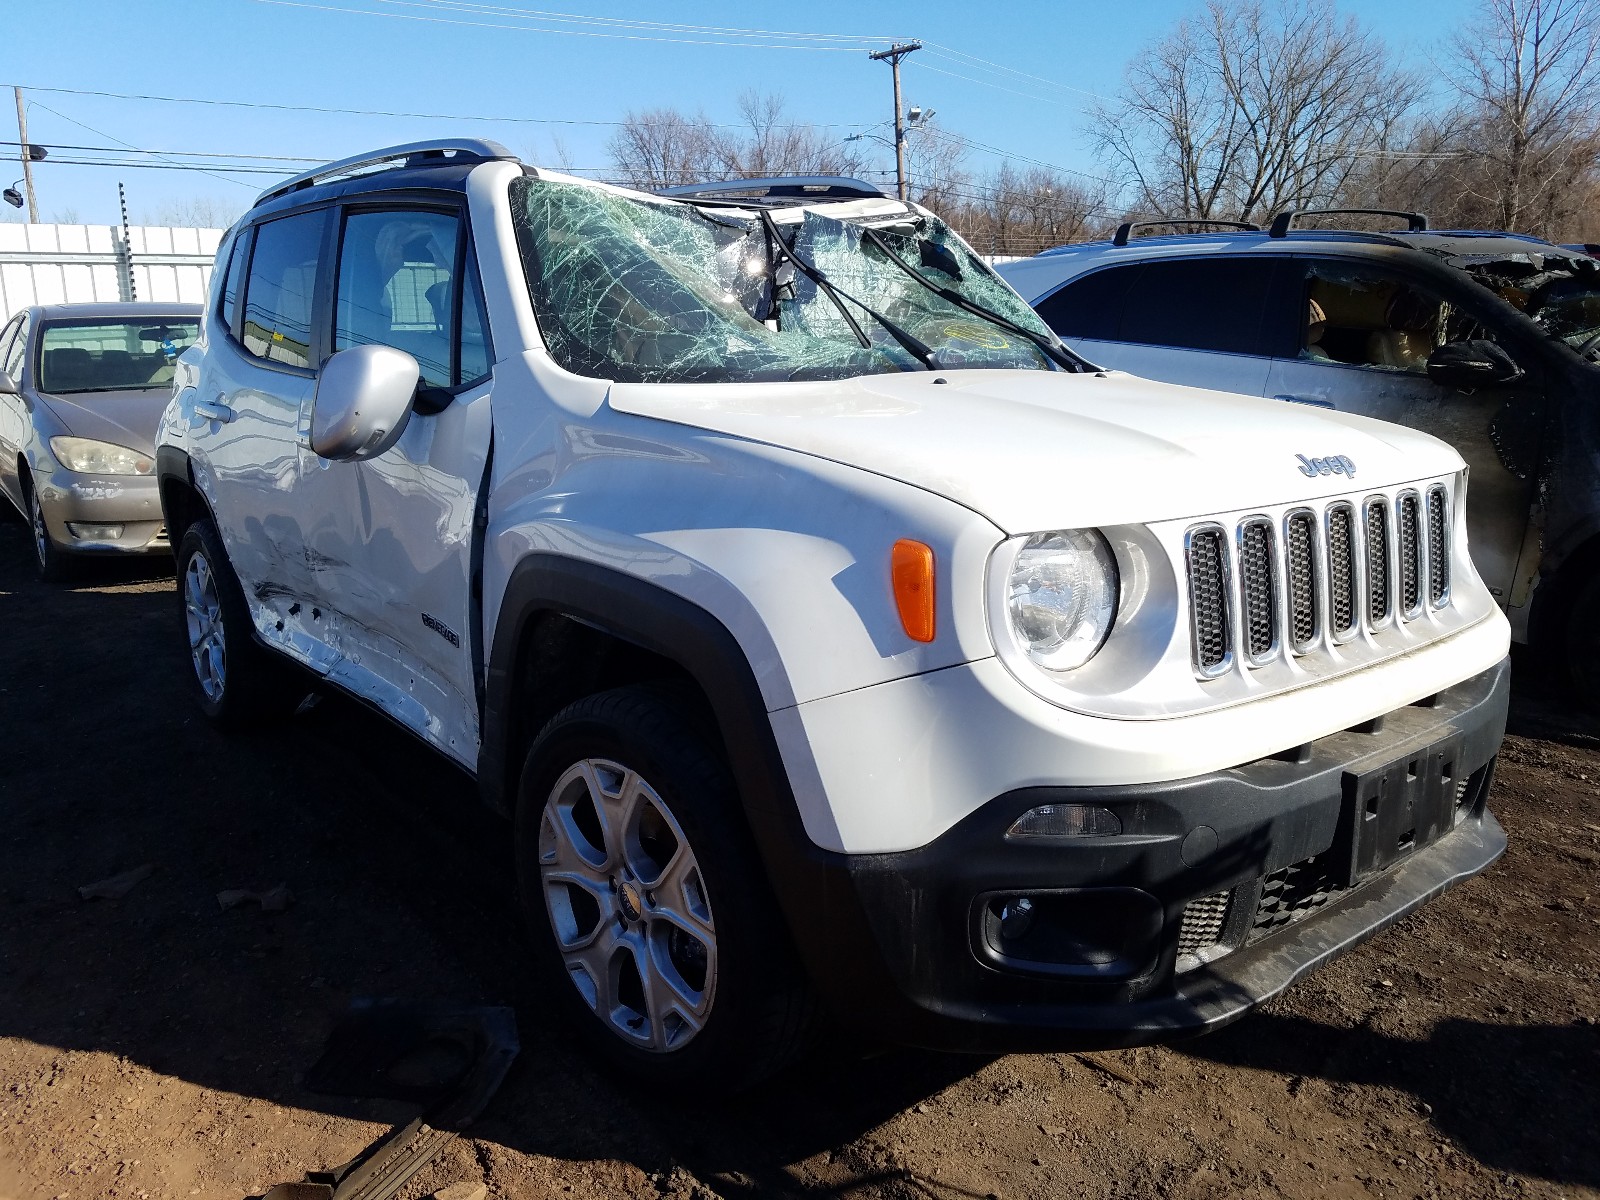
(1220, 891)
(83, 511)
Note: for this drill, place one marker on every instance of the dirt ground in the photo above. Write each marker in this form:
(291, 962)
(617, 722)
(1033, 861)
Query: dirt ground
(153, 1046)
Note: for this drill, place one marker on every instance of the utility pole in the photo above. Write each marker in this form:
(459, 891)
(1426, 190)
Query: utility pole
(893, 55)
(127, 243)
(27, 158)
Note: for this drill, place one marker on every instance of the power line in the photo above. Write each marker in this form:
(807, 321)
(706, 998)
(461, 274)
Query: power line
(632, 37)
(631, 23)
(286, 158)
(130, 146)
(367, 112)
(961, 56)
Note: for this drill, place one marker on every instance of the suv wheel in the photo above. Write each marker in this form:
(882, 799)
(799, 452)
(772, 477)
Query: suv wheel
(52, 561)
(642, 891)
(235, 680)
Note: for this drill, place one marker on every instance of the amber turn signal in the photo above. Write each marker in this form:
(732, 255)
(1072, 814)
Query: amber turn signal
(911, 568)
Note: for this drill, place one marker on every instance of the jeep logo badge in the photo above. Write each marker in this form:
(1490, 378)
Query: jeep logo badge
(1338, 464)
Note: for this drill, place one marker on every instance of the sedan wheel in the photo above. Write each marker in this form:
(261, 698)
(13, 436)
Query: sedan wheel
(51, 560)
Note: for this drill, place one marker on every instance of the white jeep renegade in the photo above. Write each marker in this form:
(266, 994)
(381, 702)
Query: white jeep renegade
(828, 630)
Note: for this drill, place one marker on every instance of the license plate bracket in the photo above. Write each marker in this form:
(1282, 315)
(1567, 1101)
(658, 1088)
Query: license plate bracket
(1395, 809)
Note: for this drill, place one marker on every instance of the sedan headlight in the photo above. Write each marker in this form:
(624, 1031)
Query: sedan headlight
(89, 457)
(1061, 597)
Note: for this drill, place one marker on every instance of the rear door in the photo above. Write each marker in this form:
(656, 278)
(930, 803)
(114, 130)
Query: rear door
(254, 384)
(1365, 332)
(394, 550)
(1205, 322)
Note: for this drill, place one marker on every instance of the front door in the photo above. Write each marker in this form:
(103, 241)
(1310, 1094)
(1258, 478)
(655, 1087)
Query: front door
(393, 551)
(1367, 334)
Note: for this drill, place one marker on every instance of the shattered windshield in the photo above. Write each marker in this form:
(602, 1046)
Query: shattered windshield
(1560, 292)
(653, 291)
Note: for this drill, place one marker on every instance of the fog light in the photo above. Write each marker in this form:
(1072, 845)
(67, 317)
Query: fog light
(1065, 821)
(94, 533)
(1015, 917)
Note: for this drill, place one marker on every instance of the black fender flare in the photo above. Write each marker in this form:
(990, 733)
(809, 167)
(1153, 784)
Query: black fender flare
(820, 904)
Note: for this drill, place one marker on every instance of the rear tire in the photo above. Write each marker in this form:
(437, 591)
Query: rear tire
(646, 900)
(236, 681)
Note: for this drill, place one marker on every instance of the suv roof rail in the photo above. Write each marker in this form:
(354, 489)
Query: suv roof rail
(463, 149)
(1284, 221)
(783, 189)
(1125, 230)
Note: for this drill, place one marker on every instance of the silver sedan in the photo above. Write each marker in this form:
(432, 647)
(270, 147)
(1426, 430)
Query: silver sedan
(82, 389)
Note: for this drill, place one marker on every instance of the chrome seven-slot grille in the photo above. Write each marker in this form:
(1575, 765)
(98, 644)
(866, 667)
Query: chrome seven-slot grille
(1338, 569)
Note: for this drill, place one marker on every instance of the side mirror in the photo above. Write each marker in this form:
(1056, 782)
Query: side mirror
(1468, 365)
(364, 399)
(8, 385)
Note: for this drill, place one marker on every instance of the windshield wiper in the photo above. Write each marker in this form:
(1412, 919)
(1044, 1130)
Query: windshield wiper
(1057, 353)
(922, 352)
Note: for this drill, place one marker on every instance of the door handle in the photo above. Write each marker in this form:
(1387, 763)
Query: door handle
(1311, 400)
(214, 412)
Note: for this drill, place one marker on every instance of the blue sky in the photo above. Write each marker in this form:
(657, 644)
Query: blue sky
(484, 58)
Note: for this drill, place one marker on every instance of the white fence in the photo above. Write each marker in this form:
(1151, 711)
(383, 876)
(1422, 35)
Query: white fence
(53, 264)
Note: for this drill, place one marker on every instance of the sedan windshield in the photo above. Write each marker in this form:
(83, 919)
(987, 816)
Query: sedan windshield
(106, 356)
(655, 291)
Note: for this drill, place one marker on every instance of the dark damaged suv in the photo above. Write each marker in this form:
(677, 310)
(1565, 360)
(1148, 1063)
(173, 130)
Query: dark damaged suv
(1490, 341)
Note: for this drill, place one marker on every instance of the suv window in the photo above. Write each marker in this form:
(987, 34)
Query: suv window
(1216, 304)
(278, 295)
(394, 289)
(1090, 307)
(234, 281)
(1367, 317)
(476, 354)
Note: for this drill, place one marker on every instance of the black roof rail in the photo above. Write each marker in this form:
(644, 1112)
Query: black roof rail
(791, 189)
(1284, 221)
(460, 150)
(1125, 230)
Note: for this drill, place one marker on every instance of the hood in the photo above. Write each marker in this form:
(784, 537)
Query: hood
(1036, 450)
(127, 418)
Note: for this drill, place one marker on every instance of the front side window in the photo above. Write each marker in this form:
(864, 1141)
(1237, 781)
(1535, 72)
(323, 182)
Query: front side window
(396, 287)
(654, 291)
(1090, 307)
(1364, 317)
(112, 356)
(282, 282)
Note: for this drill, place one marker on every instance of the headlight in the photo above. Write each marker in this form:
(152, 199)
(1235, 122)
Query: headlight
(1062, 597)
(89, 457)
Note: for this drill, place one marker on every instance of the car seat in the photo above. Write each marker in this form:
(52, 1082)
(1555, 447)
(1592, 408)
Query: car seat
(1412, 322)
(68, 369)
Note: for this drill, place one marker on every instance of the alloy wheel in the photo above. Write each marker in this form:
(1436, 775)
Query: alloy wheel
(202, 615)
(627, 903)
(41, 534)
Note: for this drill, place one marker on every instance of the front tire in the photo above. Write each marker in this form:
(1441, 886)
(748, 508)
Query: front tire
(646, 901)
(235, 680)
(52, 562)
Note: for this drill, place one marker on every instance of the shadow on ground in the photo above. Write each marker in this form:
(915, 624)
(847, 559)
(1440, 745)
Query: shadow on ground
(404, 888)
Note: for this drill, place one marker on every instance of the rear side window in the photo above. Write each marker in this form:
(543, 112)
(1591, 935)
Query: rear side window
(6, 335)
(234, 280)
(1200, 304)
(1090, 307)
(282, 283)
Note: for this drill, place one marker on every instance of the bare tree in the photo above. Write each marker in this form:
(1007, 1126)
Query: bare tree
(1016, 212)
(195, 212)
(1252, 107)
(1528, 74)
(663, 148)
